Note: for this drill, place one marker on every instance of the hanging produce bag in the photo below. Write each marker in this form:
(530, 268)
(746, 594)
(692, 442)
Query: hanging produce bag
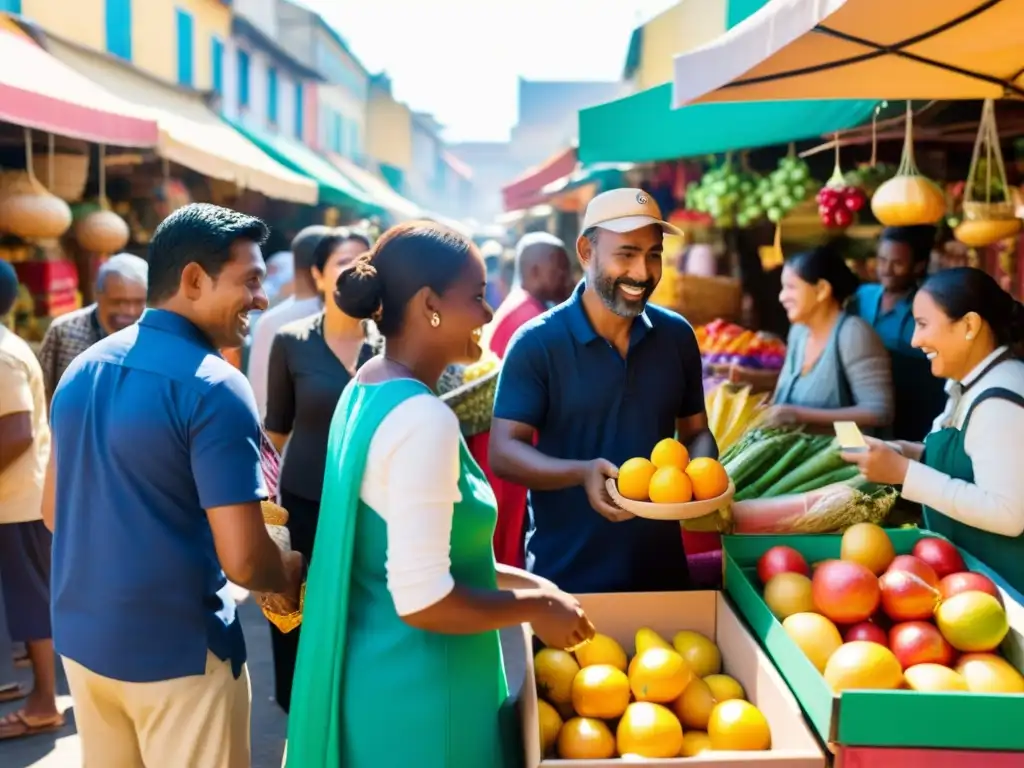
(988, 206)
(908, 198)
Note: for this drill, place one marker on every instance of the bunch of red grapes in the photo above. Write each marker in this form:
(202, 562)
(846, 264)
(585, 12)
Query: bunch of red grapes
(837, 206)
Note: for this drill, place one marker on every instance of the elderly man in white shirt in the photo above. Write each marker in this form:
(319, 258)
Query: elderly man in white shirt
(968, 474)
(305, 301)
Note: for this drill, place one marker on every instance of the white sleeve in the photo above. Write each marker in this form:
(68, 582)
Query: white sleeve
(259, 359)
(994, 502)
(412, 482)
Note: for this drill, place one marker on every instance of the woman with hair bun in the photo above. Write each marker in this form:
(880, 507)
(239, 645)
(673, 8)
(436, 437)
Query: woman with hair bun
(836, 367)
(968, 473)
(404, 599)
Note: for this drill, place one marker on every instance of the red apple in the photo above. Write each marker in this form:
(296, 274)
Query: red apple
(918, 642)
(968, 581)
(867, 631)
(941, 555)
(917, 566)
(781, 560)
(845, 592)
(907, 597)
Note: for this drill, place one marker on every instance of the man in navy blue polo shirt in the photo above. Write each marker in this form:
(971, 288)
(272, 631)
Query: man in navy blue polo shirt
(598, 380)
(153, 494)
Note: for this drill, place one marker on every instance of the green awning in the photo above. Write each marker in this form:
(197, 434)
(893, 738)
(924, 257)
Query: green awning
(644, 128)
(335, 188)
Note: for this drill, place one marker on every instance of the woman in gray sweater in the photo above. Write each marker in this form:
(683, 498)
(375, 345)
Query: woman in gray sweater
(836, 367)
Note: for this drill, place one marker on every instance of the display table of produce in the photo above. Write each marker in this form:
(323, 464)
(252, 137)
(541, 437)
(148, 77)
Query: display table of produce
(888, 638)
(697, 690)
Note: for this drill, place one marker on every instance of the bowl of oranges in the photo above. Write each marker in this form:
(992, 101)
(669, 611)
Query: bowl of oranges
(670, 485)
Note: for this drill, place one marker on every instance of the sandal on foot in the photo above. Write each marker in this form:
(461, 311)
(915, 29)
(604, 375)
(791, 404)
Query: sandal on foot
(17, 725)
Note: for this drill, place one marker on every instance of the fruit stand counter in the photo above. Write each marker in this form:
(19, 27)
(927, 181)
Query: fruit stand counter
(650, 617)
(895, 719)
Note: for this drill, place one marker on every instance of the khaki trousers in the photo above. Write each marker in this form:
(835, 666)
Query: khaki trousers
(201, 721)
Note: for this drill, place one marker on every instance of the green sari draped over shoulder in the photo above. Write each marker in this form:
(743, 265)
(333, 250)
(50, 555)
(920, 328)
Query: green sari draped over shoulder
(370, 691)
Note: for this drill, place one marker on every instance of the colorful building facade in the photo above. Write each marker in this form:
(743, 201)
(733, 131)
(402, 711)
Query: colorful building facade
(178, 41)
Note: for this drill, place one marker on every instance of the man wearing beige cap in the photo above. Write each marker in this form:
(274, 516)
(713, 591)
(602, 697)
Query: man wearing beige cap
(598, 380)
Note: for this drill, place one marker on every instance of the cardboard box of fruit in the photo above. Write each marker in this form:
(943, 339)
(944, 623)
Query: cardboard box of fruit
(888, 638)
(672, 678)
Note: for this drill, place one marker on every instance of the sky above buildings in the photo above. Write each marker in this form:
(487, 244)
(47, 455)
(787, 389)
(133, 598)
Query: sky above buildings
(460, 59)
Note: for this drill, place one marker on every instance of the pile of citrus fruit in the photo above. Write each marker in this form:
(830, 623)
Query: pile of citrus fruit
(670, 477)
(669, 700)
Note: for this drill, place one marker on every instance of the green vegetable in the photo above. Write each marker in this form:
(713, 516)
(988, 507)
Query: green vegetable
(841, 475)
(818, 465)
(789, 460)
(756, 458)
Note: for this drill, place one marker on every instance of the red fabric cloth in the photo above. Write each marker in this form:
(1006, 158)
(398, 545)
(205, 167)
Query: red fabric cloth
(697, 543)
(511, 528)
(518, 308)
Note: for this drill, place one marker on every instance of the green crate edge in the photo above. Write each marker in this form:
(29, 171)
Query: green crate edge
(870, 718)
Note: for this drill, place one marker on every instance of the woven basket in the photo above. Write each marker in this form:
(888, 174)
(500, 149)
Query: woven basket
(473, 403)
(703, 299)
(980, 211)
(70, 174)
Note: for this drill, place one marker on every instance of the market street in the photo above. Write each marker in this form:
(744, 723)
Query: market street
(61, 749)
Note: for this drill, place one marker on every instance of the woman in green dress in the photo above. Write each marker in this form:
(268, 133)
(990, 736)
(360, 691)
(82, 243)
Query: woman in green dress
(399, 661)
(968, 473)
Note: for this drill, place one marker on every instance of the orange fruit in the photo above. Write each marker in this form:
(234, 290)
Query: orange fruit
(635, 478)
(659, 675)
(584, 738)
(694, 743)
(600, 691)
(554, 671)
(649, 730)
(670, 453)
(602, 650)
(738, 725)
(708, 478)
(694, 707)
(549, 722)
(670, 486)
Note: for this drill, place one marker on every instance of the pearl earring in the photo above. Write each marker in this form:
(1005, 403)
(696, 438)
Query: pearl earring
(435, 320)
(970, 337)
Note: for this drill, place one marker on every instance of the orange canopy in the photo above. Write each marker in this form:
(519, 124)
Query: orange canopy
(861, 49)
(526, 189)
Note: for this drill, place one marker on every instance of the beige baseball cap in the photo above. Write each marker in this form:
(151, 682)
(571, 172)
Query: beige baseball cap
(625, 210)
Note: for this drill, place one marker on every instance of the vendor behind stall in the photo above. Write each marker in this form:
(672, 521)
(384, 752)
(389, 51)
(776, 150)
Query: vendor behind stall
(968, 473)
(836, 368)
(903, 256)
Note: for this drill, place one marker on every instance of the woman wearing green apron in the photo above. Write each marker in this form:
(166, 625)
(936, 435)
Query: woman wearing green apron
(399, 659)
(968, 473)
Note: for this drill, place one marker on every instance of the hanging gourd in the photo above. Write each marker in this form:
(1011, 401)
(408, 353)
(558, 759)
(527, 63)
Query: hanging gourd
(102, 231)
(27, 209)
(908, 198)
(988, 205)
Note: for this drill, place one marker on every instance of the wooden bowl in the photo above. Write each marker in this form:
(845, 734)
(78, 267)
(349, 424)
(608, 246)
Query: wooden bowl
(686, 511)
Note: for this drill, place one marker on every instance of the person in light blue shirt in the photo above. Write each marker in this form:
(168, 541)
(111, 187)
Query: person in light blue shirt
(903, 256)
(158, 483)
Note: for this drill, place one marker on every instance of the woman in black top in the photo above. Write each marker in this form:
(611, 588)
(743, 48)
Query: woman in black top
(311, 362)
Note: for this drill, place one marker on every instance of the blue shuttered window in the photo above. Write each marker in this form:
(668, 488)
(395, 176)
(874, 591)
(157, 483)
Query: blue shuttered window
(300, 109)
(186, 48)
(119, 28)
(243, 78)
(271, 96)
(217, 64)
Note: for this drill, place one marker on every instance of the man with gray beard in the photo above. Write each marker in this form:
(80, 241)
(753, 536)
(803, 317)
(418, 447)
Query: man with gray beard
(598, 380)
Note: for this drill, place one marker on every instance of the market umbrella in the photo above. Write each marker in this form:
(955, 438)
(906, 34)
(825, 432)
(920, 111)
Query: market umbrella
(861, 49)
